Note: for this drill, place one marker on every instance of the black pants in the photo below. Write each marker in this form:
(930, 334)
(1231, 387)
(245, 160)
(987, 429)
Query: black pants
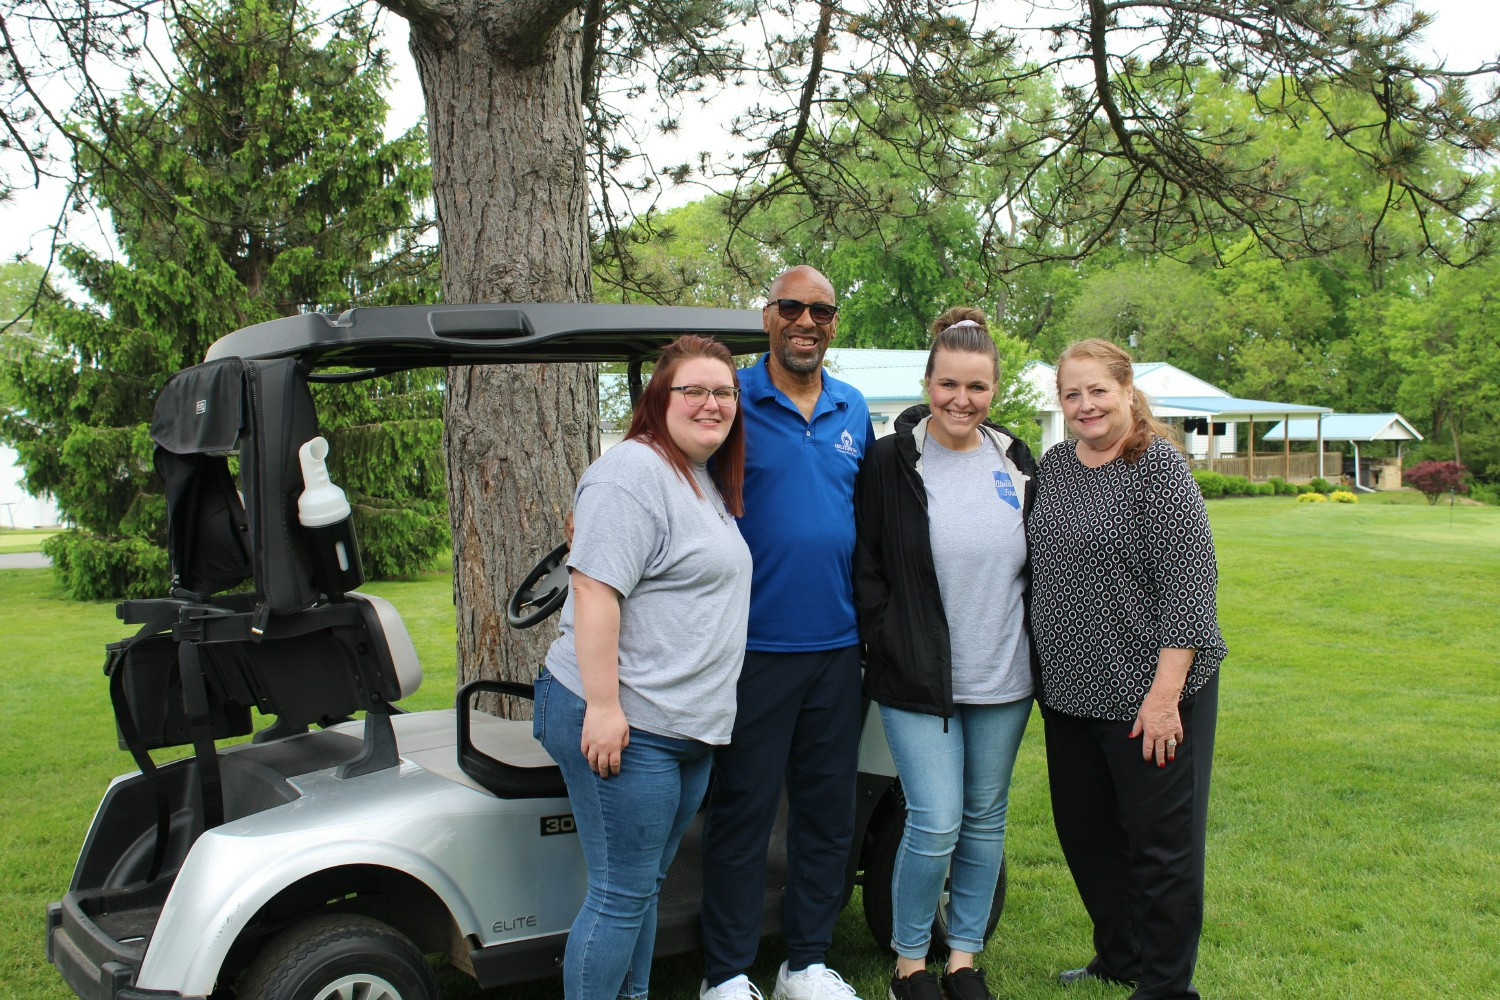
(798, 719)
(1133, 835)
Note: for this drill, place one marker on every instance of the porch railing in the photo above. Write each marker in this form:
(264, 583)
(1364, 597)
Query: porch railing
(1299, 467)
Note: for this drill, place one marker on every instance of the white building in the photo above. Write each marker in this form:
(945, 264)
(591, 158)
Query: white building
(891, 380)
(19, 509)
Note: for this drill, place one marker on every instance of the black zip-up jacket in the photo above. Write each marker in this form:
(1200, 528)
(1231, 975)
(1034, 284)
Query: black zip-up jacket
(908, 655)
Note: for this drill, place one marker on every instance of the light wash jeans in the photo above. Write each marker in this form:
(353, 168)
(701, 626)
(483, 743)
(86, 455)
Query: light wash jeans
(629, 827)
(957, 784)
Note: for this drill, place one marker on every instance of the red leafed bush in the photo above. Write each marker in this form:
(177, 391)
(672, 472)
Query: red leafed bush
(1436, 478)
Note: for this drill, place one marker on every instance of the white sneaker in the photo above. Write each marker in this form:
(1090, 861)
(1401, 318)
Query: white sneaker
(738, 988)
(816, 982)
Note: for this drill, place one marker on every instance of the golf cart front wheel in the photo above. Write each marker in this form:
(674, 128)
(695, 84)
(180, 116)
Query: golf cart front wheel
(880, 867)
(337, 956)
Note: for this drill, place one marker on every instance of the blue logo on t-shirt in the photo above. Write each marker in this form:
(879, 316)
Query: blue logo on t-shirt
(1006, 489)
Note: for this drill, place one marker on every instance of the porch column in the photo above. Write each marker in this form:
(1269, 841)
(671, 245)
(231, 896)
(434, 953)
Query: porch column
(1320, 446)
(1250, 449)
(1286, 448)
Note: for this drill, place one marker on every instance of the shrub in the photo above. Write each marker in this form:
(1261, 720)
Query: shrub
(92, 568)
(1210, 484)
(1485, 493)
(1312, 497)
(1280, 487)
(1343, 496)
(1214, 485)
(1322, 485)
(1436, 478)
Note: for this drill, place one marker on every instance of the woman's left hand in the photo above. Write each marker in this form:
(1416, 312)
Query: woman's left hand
(1160, 728)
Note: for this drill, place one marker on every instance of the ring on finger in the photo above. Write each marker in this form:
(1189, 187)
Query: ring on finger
(1171, 743)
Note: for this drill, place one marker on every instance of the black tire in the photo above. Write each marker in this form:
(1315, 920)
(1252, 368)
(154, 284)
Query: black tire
(880, 866)
(315, 959)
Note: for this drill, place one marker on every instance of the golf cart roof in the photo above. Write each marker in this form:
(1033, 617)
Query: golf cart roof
(395, 338)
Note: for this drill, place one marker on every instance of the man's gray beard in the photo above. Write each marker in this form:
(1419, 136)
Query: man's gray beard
(793, 363)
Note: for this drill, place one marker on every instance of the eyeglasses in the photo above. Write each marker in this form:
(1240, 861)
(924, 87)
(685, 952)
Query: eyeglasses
(697, 395)
(790, 309)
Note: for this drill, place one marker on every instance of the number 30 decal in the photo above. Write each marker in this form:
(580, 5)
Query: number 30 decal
(553, 825)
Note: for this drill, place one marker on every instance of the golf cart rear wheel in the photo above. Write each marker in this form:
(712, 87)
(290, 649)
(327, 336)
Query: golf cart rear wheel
(880, 867)
(337, 956)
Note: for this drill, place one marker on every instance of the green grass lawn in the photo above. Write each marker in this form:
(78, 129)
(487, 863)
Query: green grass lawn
(24, 539)
(1354, 842)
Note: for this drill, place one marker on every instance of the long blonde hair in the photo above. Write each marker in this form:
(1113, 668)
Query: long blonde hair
(1116, 361)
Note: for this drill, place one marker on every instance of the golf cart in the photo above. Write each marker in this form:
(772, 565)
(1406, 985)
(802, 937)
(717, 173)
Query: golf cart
(326, 858)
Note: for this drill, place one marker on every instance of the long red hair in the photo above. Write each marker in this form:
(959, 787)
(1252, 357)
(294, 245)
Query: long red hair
(649, 422)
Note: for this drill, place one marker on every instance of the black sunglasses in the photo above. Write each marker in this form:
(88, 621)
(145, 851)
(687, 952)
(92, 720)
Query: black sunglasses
(790, 309)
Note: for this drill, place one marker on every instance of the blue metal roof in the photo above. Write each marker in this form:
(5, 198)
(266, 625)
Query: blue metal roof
(1349, 427)
(1232, 407)
(880, 373)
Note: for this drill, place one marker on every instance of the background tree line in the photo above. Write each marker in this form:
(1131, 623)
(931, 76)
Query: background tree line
(917, 150)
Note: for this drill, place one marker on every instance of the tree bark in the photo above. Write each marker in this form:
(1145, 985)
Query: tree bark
(504, 118)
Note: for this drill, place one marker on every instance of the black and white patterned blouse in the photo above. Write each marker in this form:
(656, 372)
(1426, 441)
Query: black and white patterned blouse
(1122, 566)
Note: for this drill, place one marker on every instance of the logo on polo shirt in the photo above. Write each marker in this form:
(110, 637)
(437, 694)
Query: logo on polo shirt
(846, 444)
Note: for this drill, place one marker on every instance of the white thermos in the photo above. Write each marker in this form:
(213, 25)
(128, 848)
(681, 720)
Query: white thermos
(324, 512)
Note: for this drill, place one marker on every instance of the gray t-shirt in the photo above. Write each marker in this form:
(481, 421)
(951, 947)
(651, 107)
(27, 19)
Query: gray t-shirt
(978, 539)
(684, 572)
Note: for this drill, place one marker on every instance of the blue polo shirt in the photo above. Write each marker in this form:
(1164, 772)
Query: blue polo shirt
(799, 512)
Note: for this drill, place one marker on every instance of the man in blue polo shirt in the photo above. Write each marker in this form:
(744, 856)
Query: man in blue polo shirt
(798, 715)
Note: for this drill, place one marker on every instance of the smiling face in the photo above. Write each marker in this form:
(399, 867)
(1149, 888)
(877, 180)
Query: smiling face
(798, 345)
(699, 429)
(1095, 407)
(961, 389)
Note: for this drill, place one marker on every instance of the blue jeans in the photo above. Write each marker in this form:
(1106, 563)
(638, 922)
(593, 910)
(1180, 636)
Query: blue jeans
(629, 827)
(957, 784)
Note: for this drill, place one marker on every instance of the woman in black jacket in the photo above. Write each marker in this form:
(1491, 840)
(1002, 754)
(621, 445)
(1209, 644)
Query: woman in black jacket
(940, 579)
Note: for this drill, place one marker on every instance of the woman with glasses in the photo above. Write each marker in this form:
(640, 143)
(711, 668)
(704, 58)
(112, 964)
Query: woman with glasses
(940, 579)
(632, 703)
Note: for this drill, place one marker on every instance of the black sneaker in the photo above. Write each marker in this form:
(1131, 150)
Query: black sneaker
(966, 984)
(920, 985)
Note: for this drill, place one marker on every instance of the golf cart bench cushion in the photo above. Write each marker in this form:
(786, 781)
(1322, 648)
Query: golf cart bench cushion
(315, 665)
(426, 739)
(361, 657)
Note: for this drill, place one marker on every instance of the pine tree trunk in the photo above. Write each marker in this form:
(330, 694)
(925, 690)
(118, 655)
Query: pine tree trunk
(504, 117)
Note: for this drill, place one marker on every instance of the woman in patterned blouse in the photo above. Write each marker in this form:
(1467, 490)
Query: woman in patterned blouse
(1125, 624)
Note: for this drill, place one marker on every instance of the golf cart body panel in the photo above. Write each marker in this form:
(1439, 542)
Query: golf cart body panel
(404, 819)
(451, 827)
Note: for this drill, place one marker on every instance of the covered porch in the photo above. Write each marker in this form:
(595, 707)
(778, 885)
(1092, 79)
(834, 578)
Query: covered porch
(1355, 428)
(1215, 412)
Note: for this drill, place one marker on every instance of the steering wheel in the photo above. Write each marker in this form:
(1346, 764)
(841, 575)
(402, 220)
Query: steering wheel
(542, 592)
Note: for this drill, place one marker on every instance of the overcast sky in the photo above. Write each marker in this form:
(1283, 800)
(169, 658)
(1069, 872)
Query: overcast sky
(1466, 33)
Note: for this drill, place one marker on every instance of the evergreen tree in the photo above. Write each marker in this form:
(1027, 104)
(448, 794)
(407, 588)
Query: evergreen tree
(255, 183)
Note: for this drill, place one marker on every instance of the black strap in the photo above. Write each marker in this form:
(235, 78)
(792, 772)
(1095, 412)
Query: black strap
(125, 719)
(200, 723)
